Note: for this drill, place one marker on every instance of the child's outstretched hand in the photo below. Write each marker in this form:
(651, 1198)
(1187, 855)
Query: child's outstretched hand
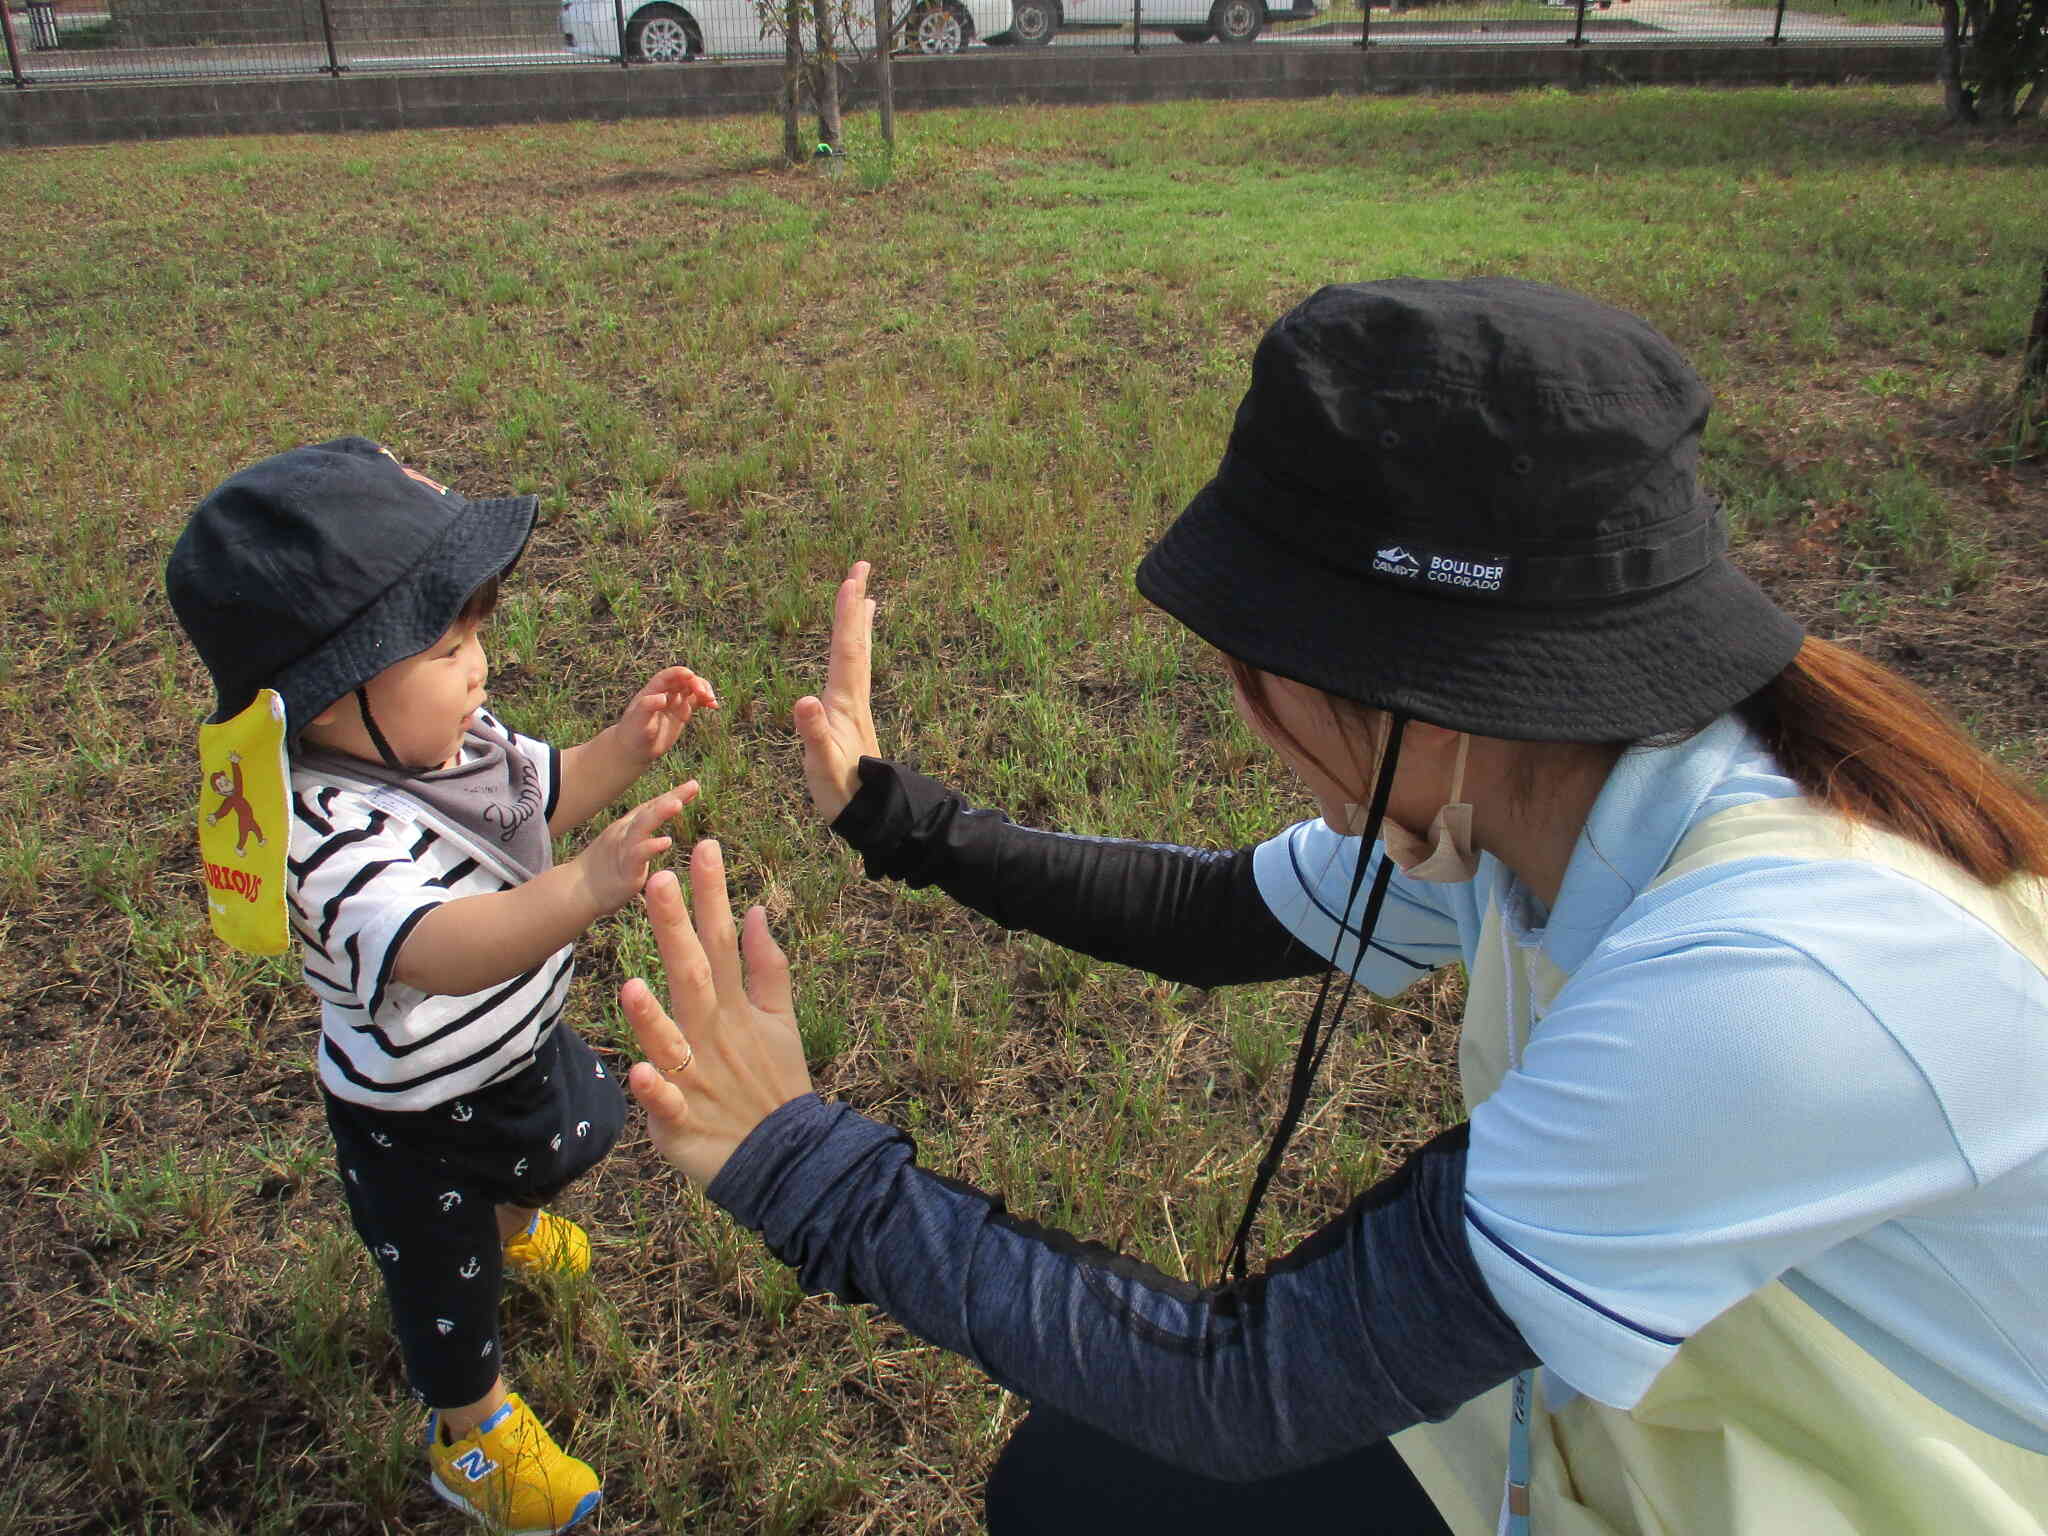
(656, 716)
(618, 860)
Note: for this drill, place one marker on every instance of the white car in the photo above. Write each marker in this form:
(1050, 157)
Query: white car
(1192, 21)
(671, 31)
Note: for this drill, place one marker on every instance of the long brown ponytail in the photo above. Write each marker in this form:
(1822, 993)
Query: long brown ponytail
(1860, 739)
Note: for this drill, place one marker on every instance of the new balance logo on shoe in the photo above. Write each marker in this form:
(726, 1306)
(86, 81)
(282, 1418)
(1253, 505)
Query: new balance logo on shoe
(475, 1465)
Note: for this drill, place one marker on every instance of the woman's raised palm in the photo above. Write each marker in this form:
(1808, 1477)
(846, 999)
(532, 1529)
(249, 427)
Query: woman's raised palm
(837, 727)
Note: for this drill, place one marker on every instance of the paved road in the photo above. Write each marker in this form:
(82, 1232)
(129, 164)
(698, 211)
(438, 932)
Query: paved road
(1628, 21)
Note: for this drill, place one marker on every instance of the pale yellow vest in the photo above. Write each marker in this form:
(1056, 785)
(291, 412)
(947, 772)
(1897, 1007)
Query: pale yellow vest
(1769, 1421)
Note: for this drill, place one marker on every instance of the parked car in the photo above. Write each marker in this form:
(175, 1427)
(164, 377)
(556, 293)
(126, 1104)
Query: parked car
(1192, 21)
(1032, 23)
(672, 31)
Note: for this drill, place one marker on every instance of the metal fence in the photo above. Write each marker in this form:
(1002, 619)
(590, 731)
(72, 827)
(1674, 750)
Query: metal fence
(74, 42)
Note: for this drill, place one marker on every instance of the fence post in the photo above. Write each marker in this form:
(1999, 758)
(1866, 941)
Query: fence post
(13, 58)
(1137, 15)
(1365, 23)
(1778, 25)
(619, 21)
(326, 31)
(1579, 29)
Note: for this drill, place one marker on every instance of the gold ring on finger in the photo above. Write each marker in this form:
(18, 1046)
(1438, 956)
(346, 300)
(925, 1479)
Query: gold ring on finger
(689, 1055)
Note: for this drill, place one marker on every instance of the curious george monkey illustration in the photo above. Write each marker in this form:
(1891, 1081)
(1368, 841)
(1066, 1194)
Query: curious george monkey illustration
(229, 787)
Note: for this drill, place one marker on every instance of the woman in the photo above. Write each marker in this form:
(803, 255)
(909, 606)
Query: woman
(1755, 1041)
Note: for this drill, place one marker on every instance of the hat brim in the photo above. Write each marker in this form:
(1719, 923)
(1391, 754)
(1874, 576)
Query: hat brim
(486, 540)
(1666, 661)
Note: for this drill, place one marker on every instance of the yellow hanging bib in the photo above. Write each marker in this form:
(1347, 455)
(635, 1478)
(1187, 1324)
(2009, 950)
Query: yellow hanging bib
(244, 831)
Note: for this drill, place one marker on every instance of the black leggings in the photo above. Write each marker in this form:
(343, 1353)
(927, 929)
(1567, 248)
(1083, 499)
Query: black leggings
(1058, 1477)
(423, 1188)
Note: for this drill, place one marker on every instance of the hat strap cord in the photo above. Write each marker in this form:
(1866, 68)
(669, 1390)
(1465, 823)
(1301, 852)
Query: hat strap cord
(376, 736)
(1315, 1037)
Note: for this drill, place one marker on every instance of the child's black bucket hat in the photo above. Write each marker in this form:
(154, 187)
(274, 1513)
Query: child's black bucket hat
(1474, 503)
(312, 571)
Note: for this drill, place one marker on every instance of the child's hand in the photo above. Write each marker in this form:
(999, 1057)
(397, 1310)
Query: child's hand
(656, 717)
(617, 862)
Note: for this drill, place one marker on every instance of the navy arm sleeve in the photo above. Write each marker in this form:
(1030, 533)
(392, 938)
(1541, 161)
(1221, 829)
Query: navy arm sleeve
(1378, 1321)
(1182, 913)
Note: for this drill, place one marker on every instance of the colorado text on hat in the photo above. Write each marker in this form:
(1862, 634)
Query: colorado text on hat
(1482, 574)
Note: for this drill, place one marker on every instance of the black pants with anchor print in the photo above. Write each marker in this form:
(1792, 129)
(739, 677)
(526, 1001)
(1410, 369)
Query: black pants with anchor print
(423, 1187)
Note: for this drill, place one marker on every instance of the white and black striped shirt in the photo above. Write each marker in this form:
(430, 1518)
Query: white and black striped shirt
(367, 863)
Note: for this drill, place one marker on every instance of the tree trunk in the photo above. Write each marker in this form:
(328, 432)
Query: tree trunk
(1949, 69)
(885, 73)
(2034, 360)
(825, 77)
(792, 79)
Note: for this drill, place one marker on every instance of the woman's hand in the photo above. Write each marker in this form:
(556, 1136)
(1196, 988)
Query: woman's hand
(837, 728)
(730, 1056)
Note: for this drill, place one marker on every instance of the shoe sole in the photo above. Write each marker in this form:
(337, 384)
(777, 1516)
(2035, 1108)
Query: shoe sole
(449, 1495)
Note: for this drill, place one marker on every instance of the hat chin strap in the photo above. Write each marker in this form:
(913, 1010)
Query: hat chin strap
(376, 736)
(1315, 1036)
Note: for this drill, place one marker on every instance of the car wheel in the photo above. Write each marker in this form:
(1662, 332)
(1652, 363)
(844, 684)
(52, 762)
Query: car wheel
(940, 28)
(1032, 23)
(1193, 34)
(1237, 21)
(661, 34)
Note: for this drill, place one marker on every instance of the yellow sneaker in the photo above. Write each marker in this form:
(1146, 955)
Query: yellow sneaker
(550, 1242)
(509, 1473)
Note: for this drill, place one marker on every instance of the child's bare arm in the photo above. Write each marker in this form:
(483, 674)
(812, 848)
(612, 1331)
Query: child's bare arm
(473, 942)
(600, 770)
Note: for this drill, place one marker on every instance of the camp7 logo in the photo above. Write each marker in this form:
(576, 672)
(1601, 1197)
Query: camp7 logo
(1396, 561)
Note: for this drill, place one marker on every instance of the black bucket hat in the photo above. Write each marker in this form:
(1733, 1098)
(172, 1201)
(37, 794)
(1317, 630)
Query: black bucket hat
(312, 571)
(1474, 503)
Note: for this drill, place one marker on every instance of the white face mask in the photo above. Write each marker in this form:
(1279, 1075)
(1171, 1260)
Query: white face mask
(1446, 856)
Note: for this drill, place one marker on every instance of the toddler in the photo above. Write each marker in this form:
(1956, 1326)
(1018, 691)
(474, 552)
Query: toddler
(435, 927)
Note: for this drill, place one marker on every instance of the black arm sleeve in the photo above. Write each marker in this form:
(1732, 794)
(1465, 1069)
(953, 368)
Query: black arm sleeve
(1378, 1321)
(1180, 913)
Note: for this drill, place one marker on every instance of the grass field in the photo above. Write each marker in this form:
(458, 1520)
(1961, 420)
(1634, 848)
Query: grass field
(995, 366)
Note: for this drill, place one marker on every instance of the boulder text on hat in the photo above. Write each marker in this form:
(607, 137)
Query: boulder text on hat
(1468, 573)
